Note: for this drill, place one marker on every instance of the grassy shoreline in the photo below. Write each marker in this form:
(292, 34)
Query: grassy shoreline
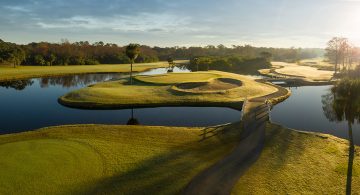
(119, 94)
(8, 73)
(109, 158)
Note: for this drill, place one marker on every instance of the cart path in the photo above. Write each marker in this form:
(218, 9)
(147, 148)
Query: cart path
(223, 175)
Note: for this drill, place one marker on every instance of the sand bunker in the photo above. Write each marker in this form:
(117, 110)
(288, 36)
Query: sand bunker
(216, 85)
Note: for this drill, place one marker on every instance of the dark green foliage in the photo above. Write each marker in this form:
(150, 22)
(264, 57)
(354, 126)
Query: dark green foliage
(170, 60)
(79, 53)
(246, 51)
(66, 53)
(266, 55)
(233, 64)
(11, 53)
(350, 74)
(132, 51)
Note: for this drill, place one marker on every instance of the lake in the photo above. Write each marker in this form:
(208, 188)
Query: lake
(32, 103)
(303, 111)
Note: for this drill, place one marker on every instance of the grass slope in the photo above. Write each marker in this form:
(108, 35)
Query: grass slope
(300, 163)
(109, 159)
(112, 159)
(24, 72)
(146, 91)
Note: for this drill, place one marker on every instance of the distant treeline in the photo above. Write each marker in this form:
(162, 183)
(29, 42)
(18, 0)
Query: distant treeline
(235, 64)
(84, 53)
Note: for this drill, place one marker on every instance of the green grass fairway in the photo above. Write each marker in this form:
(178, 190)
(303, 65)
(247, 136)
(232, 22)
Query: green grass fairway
(300, 163)
(109, 159)
(148, 92)
(25, 72)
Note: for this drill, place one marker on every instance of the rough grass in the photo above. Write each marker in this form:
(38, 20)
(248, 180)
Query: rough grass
(23, 72)
(300, 163)
(109, 159)
(120, 94)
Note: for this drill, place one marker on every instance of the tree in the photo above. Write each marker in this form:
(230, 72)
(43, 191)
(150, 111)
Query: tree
(343, 103)
(344, 51)
(39, 60)
(51, 58)
(266, 55)
(16, 55)
(196, 62)
(335, 51)
(132, 52)
(171, 64)
(170, 61)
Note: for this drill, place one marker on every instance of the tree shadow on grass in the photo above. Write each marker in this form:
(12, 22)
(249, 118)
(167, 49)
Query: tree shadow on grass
(169, 172)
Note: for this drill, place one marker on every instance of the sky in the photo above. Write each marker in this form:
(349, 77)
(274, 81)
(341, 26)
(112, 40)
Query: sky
(268, 23)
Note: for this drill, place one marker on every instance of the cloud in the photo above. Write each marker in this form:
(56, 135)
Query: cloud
(171, 22)
(142, 22)
(16, 8)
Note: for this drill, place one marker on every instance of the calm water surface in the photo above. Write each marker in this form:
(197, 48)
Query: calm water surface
(31, 104)
(303, 111)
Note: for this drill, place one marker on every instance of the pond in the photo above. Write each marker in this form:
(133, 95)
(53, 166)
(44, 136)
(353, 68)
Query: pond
(303, 110)
(31, 104)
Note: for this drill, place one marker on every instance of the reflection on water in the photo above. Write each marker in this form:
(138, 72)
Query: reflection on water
(132, 120)
(303, 110)
(80, 80)
(341, 105)
(76, 80)
(36, 106)
(63, 81)
(18, 84)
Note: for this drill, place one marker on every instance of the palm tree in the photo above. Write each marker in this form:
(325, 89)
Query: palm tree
(343, 103)
(132, 52)
(196, 62)
(171, 64)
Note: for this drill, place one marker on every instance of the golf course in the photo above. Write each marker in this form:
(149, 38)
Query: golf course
(194, 89)
(108, 159)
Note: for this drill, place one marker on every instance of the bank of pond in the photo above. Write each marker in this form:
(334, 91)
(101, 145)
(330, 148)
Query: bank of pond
(32, 103)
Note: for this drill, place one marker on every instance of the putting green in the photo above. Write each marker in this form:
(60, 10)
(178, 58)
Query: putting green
(48, 165)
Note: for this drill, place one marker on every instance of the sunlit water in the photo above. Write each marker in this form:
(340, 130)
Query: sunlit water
(32, 104)
(303, 111)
